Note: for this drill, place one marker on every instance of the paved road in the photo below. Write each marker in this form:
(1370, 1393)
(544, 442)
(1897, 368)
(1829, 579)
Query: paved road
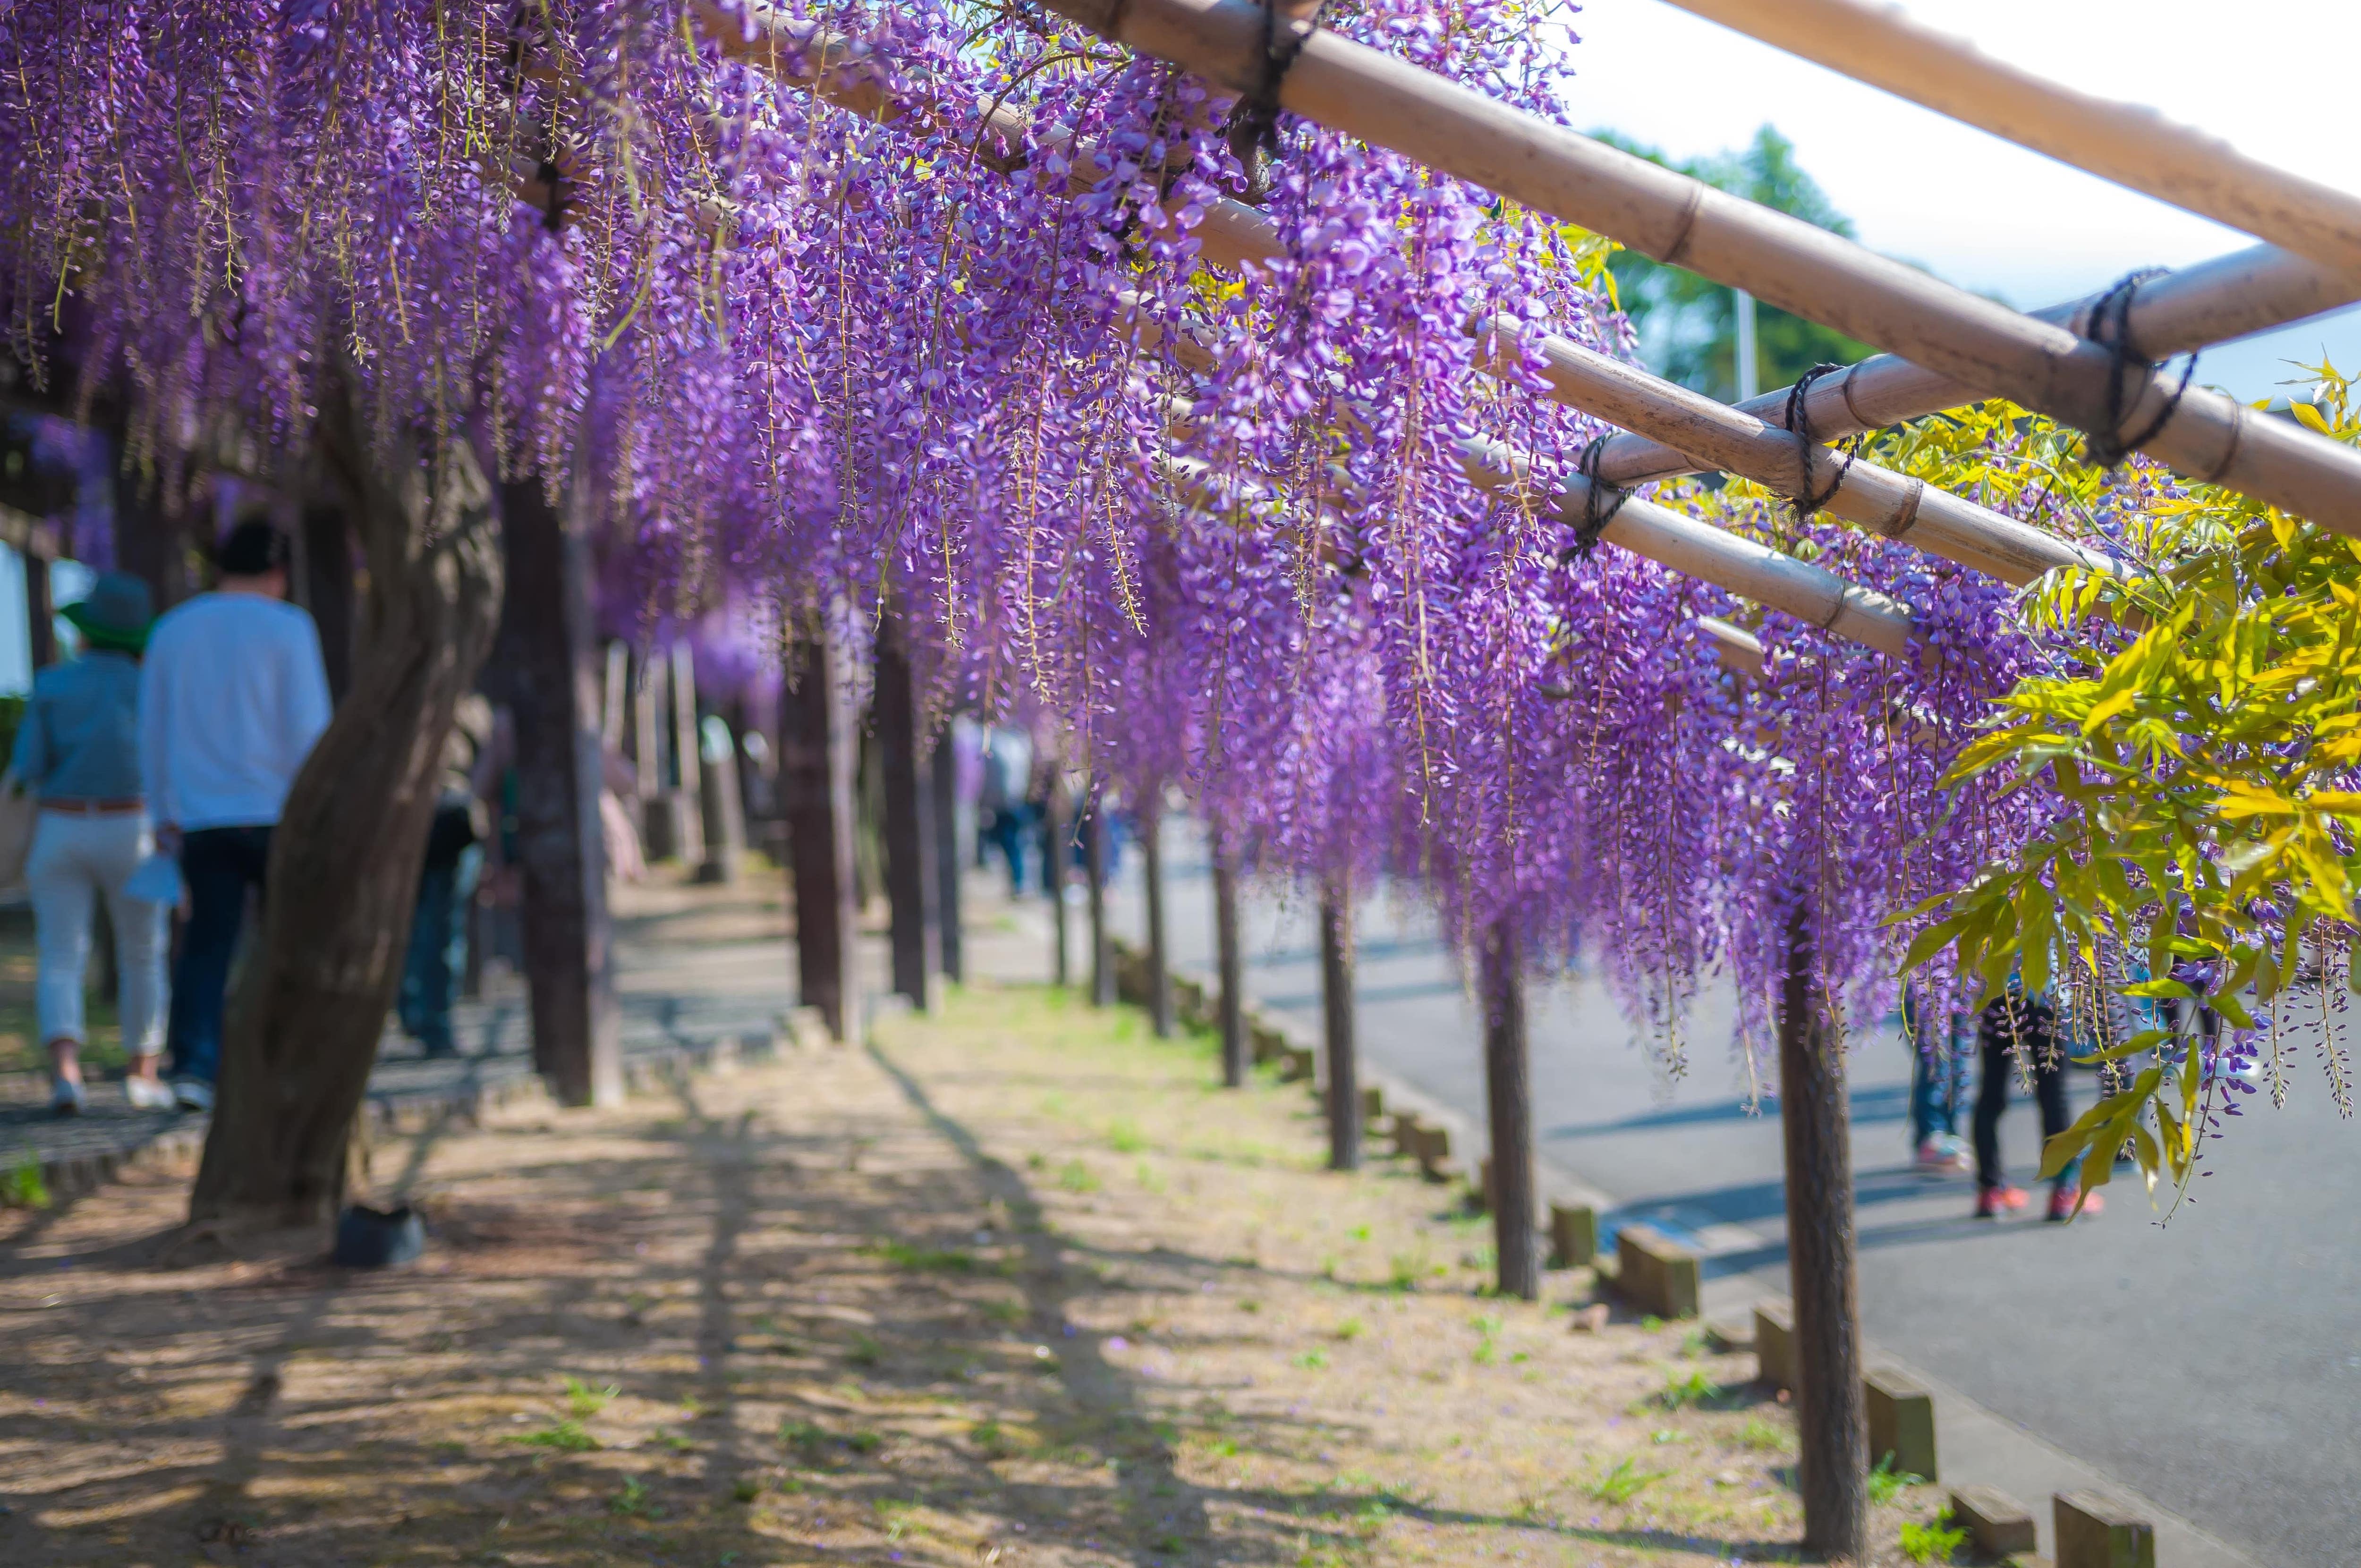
(2212, 1364)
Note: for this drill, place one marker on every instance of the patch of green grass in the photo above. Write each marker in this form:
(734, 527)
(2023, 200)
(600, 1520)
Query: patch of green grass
(745, 1489)
(1076, 1177)
(1761, 1434)
(1408, 1268)
(864, 1442)
(1679, 1393)
(992, 1438)
(1938, 1541)
(1144, 1174)
(585, 1402)
(1311, 1360)
(1351, 1328)
(632, 1501)
(565, 1437)
(866, 1351)
(944, 1260)
(1359, 1233)
(1005, 1312)
(1124, 1137)
(804, 1435)
(1487, 1338)
(1885, 1483)
(22, 1187)
(1625, 1481)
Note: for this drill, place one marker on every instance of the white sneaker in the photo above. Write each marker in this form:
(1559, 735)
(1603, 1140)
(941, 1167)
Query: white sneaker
(148, 1095)
(65, 1098)
(193, 1094)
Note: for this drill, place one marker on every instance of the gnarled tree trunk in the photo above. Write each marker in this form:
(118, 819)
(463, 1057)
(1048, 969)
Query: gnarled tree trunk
(303, 1025)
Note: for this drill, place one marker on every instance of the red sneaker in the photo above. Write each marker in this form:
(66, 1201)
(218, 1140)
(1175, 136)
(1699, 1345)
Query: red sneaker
(1991, 1202)
(2061, 1204)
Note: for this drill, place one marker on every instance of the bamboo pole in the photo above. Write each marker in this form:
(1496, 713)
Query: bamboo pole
(1878, 499)
(1782, 261)
(2249, 290)
(2130, 144)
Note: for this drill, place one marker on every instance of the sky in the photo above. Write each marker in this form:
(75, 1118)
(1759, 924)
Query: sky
(2275, 78)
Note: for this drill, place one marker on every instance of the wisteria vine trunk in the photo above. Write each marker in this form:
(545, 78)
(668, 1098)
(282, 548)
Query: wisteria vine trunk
(304, 1023)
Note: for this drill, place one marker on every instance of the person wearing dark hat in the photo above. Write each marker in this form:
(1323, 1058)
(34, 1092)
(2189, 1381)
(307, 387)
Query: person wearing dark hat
(78, 755)
(233, 695)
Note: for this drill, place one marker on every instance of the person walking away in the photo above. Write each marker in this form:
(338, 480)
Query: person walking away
(78, 755)
(2016, 1022)
(446, 885)
(1936, 1066)
(232, 696)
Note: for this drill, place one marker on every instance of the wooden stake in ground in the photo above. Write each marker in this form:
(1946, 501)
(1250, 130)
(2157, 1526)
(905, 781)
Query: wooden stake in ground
(1509, 1094)
(1095, 831)
(950, 851)
(815, 762)
(549, 643)
(1831, 1424)
(908, 834)
(1336, 1014)
(1226, 946)
(1159, 967)
(1057, 847)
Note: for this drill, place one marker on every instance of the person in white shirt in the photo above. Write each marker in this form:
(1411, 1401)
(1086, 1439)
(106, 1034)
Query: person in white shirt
(232, 696)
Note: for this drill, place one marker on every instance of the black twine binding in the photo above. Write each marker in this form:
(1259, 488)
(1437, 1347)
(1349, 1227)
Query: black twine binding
(1799, 421)
(1596, 515)
(2109, 328)
(1254, 122)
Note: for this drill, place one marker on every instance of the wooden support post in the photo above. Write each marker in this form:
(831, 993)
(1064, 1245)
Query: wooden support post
(1096, 833)
(1056, 841)
(561, 842)
(1336, 1012)
(723, 807)
(1508, 1083)
(688, 824)
(943, 793)
(909, 832)
(1831, 1422)
(41, 615)
(1225, 945)
(816, 761)
(617, 695)
(328, 590)
(1160, 958)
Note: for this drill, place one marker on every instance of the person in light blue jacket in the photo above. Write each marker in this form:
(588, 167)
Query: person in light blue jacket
(78, 755)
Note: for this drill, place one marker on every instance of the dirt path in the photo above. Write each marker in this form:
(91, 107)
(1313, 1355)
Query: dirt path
(1018, 1286)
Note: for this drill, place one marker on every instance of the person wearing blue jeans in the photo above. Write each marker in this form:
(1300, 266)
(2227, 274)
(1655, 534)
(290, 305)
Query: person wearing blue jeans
(232, 695)
(438, 941)
(221, 866)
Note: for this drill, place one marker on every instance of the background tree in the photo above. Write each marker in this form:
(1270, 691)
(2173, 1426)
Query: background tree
(1688, 324)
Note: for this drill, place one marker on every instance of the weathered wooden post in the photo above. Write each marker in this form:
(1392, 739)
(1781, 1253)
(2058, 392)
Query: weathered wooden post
(1336, 1014)
(328, 590)
(951, 847)
(723, 808)
(687, 796)
(1095, 868)
(908, 834)
(552, 659)
(815, 762)
(1831, 1421)
(617, 695)
(41, 615)
(1226, 944)
(1508, 1084)
(1056, 843)
(1159, 968)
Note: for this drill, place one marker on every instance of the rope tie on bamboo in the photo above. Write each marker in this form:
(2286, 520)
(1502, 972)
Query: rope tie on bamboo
(1799, 421)
(2111, 330)
(1596, 514)
(1254, 124)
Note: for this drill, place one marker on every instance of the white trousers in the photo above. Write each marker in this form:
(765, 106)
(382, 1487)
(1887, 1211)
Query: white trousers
(75, 860)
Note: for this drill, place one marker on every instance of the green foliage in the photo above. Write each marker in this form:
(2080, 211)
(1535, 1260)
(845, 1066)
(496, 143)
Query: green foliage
(1936, 1541)
(1625, 1481)
(1885, 1483)
(1679, 1393)
(1690, 323)
(565, 1437)
(631, 1502)
(1759, 1433)
(2202, 725)
(1076, 1177)
(585, 1402)
(22, 1187)
(1124, 1137)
